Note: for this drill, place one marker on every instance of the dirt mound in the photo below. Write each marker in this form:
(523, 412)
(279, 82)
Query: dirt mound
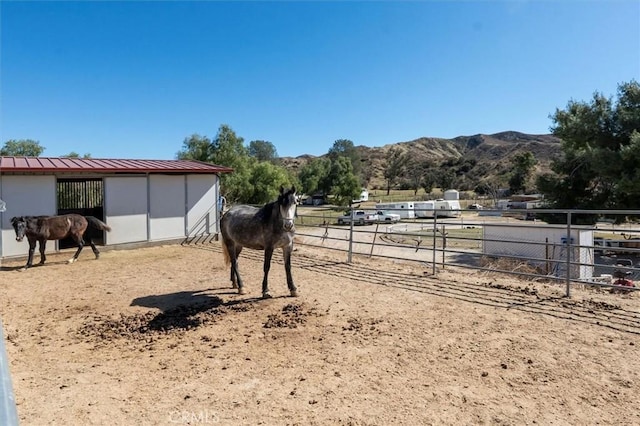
(291, 316)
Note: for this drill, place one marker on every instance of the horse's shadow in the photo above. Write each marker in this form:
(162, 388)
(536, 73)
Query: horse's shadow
(171, 301)
(179, 311)
(11, 268)
(186, 309)
(35, 265)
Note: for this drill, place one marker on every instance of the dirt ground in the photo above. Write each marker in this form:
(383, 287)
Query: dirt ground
(155, 336)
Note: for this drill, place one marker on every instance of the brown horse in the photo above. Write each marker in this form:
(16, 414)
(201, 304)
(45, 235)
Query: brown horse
(42, 228)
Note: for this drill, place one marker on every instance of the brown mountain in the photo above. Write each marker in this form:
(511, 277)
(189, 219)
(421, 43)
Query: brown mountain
(492, 154)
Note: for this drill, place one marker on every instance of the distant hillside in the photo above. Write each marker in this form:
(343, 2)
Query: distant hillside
(492, 153)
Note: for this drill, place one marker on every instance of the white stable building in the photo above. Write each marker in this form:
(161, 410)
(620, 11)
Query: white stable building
(143, 201)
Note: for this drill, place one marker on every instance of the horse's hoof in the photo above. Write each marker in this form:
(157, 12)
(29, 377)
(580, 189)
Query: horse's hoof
(242, 291)
(24, 268)
(266, 296)
(294, 293)
(70, 261)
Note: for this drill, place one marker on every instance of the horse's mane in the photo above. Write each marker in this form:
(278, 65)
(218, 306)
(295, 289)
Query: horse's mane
(266, 212)
(27, 219)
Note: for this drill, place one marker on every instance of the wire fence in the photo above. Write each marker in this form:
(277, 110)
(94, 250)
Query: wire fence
(595, 248)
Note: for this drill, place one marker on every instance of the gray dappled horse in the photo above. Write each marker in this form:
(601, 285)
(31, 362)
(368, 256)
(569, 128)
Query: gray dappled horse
(42, 228)
(265, 228)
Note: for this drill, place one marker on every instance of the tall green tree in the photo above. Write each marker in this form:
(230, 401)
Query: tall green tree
(228, 148)
(418, 173)
(196, 147)
(414, 171)
(345, 186)
(601, 146)
(393, 167)
(445, 178)
(22, 148)
(263, 151)
(523, 165)
(266, 179)
(428, 180)
(331, 177)
(346, 148)
(314, 176)
(255, 180)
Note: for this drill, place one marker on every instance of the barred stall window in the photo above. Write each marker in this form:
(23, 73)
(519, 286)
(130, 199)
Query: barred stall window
(81, 196)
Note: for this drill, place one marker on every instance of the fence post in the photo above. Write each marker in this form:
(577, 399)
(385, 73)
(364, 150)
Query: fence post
(350, 253)
(8, 412)
(435, 231)
(444, 245)
(568, 243)
(373, 243)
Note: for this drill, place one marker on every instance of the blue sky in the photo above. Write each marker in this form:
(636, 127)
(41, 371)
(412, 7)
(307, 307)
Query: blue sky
(134, 79)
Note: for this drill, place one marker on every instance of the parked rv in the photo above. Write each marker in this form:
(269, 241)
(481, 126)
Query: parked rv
(443, 208)
(448, 208)
(405, 209)
(424, 208)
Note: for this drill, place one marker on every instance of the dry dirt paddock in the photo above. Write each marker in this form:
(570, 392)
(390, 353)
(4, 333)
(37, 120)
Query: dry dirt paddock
(155, 336)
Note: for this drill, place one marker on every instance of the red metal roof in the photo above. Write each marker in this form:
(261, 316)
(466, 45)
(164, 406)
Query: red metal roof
(106, 165)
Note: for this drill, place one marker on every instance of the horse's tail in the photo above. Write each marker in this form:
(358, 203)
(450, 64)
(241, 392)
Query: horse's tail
(96, 223)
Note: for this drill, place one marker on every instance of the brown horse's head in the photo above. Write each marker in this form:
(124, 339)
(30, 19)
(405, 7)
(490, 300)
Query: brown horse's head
(20, 226)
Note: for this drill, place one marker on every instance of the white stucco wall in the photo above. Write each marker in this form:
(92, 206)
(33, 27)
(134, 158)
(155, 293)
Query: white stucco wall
(202, 199)
(167, 200)
(125, 209)
(177, 206)
(25, 196)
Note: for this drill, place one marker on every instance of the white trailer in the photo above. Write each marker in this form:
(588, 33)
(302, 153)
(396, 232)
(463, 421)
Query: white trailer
(405, 209)
(448, 208)
(443, 208)
(424, 208)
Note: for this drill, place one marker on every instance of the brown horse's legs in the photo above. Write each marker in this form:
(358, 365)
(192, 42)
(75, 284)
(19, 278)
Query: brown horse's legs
(32, 249)
(286, 253)
(94, 248)
(268, 253)
(80, 244)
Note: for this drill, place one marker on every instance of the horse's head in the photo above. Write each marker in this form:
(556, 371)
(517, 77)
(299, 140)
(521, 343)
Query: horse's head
(20, 226)
(287, 205)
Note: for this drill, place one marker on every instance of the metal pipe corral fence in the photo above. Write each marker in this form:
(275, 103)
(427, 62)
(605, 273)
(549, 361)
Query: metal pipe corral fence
(8, 411)
(561, 246)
